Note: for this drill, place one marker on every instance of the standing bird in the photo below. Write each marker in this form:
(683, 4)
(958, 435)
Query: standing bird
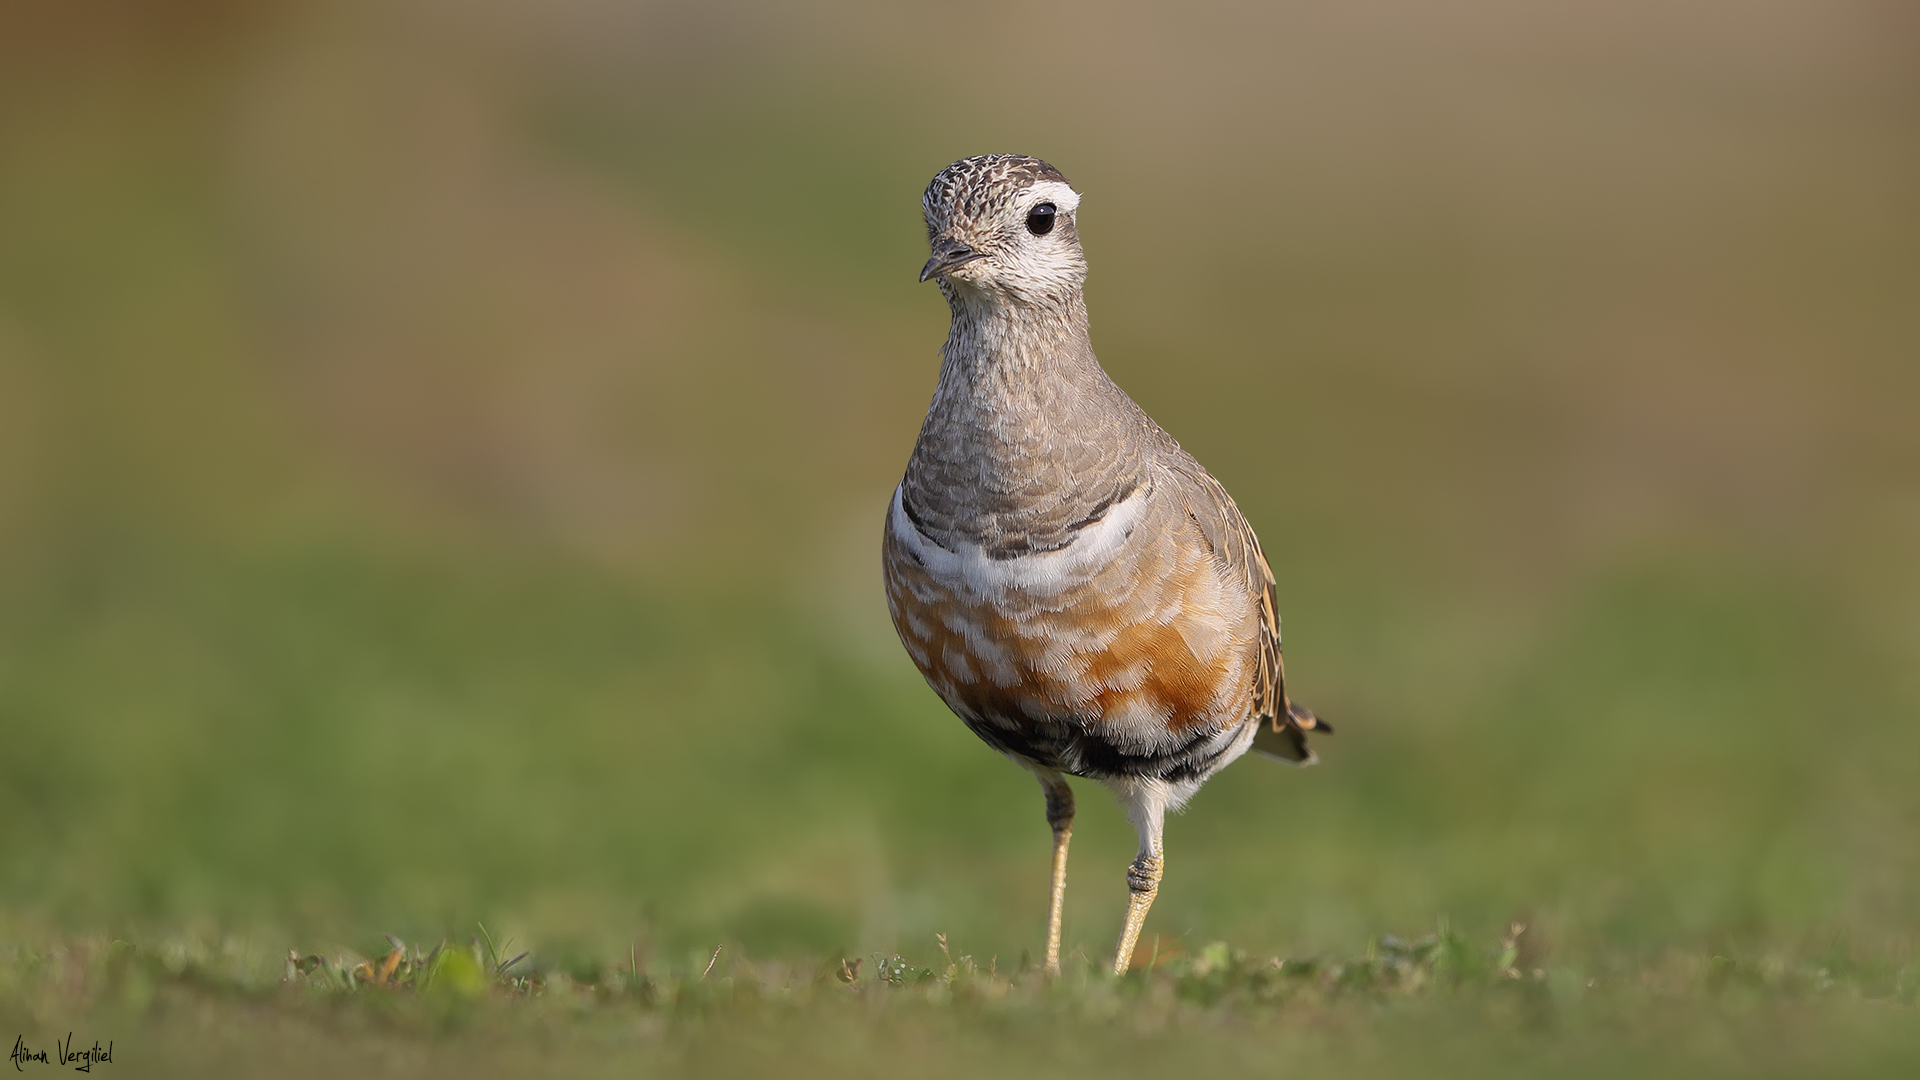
(1072, 583)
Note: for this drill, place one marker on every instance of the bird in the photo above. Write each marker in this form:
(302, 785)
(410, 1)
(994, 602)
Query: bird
(1081, 593)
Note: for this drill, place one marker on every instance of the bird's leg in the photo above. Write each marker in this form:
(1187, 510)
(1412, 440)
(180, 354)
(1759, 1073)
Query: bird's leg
(1060, 816)
(1143, 884)
(1146, 806)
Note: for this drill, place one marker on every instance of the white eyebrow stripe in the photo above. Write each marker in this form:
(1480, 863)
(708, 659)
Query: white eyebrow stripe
(1052, 191)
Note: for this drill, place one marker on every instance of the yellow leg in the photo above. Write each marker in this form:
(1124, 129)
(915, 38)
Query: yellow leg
(1143, 884)
(1060, 816)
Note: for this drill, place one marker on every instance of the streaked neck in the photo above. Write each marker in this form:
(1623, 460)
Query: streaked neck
(999, 346)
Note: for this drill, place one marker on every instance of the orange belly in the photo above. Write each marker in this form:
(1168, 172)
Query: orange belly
(1153, 644)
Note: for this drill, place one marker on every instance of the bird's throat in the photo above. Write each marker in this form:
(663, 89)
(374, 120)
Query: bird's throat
(1008, 356)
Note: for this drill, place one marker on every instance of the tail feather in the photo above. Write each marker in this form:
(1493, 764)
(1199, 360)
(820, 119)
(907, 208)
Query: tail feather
(1304, 719)
(1285, 737)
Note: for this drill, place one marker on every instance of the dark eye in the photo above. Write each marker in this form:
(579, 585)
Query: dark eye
(1040, 219)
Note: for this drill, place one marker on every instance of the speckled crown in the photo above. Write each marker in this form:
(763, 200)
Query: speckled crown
(968, 187)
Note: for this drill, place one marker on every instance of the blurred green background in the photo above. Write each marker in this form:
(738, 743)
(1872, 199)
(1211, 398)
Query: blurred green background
(443, 447)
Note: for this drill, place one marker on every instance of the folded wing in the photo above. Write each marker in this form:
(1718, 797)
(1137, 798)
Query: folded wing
(1283, 726)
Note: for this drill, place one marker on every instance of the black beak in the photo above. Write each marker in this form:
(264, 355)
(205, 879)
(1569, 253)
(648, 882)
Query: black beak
(948, 255)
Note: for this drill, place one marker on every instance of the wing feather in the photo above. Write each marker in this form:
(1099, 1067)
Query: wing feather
(1283, 725)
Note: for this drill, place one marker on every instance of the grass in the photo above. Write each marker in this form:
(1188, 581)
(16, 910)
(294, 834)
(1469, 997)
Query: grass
(1440, 1004)
(535, 778)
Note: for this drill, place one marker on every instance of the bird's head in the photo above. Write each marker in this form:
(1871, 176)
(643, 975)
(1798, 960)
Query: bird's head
(1003, 225)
